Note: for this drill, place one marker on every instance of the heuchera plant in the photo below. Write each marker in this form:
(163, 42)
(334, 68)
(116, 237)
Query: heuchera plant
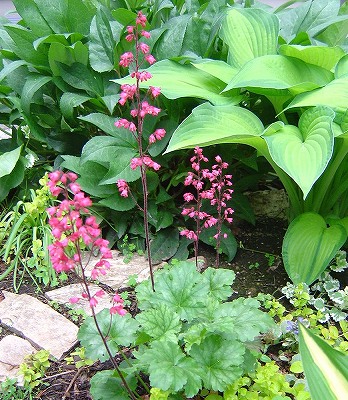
(140, 109)
(218, 193)
(72, 234)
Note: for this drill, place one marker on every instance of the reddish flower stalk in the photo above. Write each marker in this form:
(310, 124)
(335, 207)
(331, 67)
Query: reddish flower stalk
(140, 108)
(72, 231)
(218, 192)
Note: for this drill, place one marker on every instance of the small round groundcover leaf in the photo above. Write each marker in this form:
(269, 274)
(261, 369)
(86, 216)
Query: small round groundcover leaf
(106, 385)
(119, 331)
(303, 152)
(309, 246)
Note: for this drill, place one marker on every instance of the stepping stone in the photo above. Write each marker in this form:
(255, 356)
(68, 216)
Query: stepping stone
(13, 351)
(118, 274)
(63, 294)
(38, 323)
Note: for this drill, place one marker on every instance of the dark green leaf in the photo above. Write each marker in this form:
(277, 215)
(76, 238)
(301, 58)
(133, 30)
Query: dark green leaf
(164, 245)
(32, 16)
(106, 385)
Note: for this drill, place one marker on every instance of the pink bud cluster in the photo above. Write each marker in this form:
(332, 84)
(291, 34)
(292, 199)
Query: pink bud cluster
(139, 109)
(73, 227)
(218, 192)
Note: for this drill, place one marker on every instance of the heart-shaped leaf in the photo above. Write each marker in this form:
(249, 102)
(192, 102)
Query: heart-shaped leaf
(309, 246)
(303, 152)
(249, 33)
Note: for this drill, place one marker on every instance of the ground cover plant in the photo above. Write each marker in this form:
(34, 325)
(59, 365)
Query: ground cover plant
(189, 338)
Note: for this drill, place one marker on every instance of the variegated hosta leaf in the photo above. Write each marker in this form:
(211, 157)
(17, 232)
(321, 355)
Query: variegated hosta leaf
(326, 369)
(303, 152)
(249, 33)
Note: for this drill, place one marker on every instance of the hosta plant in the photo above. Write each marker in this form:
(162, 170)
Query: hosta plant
(186, 337)
(282, 89)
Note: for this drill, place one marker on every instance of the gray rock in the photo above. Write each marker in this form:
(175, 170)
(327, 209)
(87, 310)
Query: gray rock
(38, 323)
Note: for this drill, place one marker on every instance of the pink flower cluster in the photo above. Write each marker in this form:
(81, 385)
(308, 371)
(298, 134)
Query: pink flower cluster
(72, 230)
(218, 192)
(131, 93)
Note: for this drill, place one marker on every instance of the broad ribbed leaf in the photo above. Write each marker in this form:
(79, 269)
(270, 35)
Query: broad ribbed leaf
(218, 282)
(217, 68)
(281, 73)
(326, 369)
(303, 152)
(309, 246)
(176, 80)
(164, 245)
(9, 160)
(120, 332)
(106, 124)
(216, 124)
(334, 95)
(106, 385)
(249, 33)
(324, 57)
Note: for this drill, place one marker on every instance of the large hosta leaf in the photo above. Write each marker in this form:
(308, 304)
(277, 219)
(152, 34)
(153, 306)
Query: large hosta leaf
(276, 75)
(176, 80)
(325, 57)
(309, 245)
(209, 125)
(334, 95)
(326, 369)
(303, 152)
(9, 160)
(249, 33)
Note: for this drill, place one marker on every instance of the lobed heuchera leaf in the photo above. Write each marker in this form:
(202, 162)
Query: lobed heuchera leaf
(241, 319)
(160, 323)
(118, 330)
(106, 385)
(303, 152)
(219, 361)
(169, 368)
(217, 282)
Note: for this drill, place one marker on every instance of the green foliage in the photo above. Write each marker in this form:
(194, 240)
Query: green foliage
(285, 68)
(266, 383)
(26, 236)
(186, 332)
(9, 390)
(34, 368)
(78, 358)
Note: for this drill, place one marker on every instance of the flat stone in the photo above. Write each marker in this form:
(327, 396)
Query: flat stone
(118, 274)
(13, 351)
(63, 294)
(38, 323)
